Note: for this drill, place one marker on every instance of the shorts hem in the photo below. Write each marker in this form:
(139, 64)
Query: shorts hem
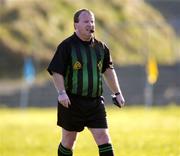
(69, 129)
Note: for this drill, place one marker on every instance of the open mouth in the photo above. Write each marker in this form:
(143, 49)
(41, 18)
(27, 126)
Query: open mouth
(90, 30)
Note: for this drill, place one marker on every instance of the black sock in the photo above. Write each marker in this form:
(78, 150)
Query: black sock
(105, 150)
(62, 151)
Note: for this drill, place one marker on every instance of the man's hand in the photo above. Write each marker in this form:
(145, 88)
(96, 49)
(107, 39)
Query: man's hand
(118, 100)
(64, 100)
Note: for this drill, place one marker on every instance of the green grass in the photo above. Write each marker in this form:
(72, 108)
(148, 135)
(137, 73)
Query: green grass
(135, 131)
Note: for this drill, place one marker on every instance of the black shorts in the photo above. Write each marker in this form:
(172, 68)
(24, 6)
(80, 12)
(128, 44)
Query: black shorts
(83, 112)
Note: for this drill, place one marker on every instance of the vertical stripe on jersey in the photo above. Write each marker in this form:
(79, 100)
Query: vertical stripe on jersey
(90, 72)
(66, 77)
(75, 72)
(100, 72)
(80, 72)
(69, 76)
(95, 72)
(100, 84)
(85, 71)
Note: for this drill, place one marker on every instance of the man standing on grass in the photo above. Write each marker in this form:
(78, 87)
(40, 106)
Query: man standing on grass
(77, 68)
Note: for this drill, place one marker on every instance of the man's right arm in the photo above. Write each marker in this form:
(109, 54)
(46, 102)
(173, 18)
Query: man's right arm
(58, 80)
(63, 98)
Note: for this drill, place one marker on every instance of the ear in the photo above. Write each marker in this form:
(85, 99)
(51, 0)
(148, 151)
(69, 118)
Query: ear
(75, 26)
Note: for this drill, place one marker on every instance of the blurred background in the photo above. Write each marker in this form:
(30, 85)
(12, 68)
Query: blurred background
(143, 36)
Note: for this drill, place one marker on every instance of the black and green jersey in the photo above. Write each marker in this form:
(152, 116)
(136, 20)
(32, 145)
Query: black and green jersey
(82, 64)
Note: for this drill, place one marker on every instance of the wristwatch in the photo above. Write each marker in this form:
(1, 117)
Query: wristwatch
(117, 93)
(61, 92)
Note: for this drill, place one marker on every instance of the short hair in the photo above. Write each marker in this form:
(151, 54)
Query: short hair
(78, 12)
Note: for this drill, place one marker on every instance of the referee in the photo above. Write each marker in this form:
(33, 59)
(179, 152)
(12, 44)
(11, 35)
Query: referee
(77, 68)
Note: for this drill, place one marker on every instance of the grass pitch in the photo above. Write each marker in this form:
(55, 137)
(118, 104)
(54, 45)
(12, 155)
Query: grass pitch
(135, 131)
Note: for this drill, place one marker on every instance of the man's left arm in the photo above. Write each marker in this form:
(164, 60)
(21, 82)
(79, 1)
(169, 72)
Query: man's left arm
(112, 82)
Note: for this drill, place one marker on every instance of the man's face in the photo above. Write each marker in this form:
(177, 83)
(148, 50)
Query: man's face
(86, 25)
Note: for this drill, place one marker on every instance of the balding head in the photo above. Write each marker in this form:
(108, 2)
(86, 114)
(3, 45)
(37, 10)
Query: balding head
(78, 13)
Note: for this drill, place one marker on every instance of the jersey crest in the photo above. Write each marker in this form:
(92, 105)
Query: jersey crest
(77, 65)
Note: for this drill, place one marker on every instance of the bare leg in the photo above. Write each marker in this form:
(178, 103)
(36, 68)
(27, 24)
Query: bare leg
(100, 135)
(68, 138)
(67, 143)
(102, 138)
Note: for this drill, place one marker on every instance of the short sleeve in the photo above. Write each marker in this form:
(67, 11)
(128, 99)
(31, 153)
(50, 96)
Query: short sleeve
(107, 63)
(60, 59)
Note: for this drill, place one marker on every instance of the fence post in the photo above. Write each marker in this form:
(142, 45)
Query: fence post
(29, 76)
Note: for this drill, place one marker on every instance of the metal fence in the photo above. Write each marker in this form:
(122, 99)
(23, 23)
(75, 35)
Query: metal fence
(33, 90)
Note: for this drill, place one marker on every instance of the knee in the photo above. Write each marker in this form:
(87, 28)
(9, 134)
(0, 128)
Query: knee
(102, 138)
(68, 141)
